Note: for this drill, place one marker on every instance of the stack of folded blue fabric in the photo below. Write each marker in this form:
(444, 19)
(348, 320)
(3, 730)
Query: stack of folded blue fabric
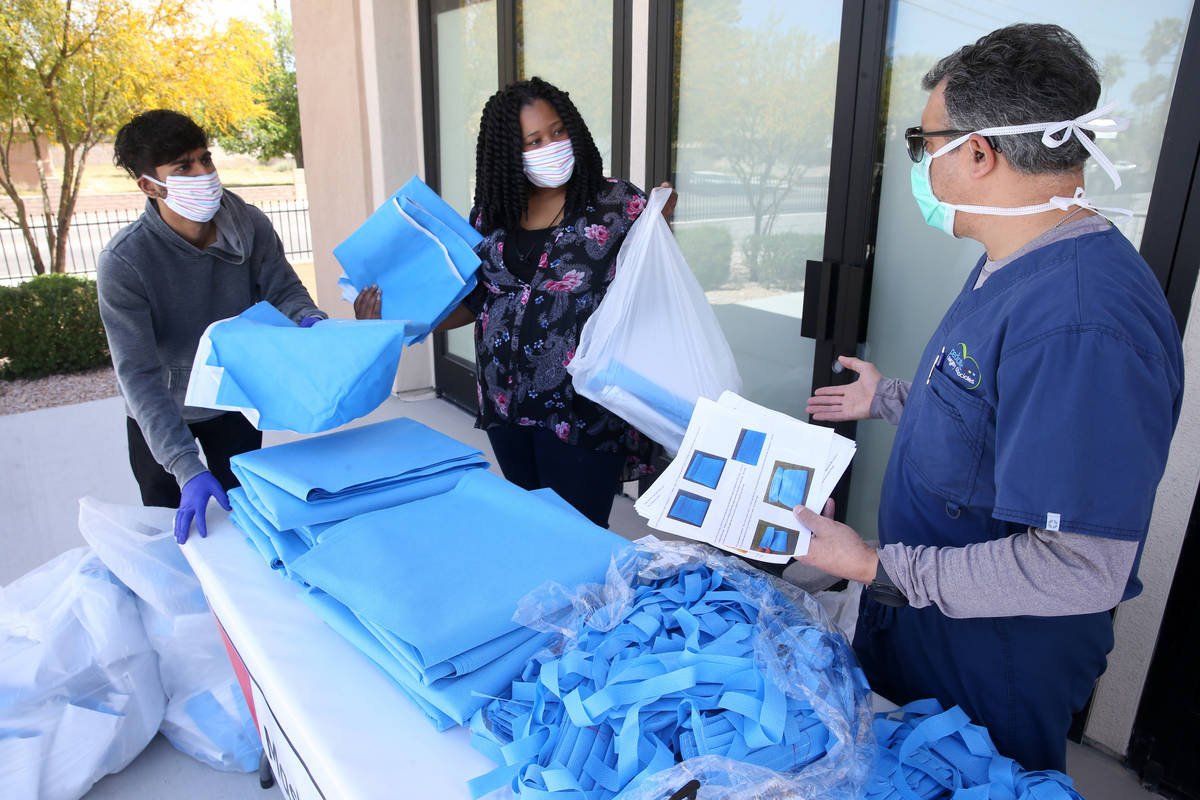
(678, 677)
(926, 753)
(417, 556)
(291, 493)
(419, 251)
(428, 589)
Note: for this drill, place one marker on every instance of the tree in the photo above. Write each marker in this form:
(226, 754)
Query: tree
(73, 71)
(276, 133)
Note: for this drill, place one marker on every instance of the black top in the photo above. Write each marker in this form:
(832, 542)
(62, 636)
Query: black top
(524, 249)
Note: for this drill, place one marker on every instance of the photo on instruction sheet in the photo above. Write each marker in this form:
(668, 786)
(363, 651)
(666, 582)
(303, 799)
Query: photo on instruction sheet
(789, 485)
(689, 508)
(772, 538)
(705, 469)
(749, 446)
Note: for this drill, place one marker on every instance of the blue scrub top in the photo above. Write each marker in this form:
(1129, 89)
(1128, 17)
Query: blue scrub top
(1053, 405)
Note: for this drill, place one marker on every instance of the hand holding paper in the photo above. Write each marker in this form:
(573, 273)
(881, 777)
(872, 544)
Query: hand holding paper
(740, 472)
(836, 548)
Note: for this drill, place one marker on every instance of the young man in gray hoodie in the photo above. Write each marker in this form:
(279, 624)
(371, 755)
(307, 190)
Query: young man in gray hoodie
(196, 255)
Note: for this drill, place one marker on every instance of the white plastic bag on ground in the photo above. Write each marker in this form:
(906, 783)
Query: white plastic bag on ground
(653, 347)
(206, 716)
(80, 695)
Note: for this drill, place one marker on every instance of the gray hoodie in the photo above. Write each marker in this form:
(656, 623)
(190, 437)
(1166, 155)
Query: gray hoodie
(158, 293)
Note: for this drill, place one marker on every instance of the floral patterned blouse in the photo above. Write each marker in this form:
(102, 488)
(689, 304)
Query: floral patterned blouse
(526, 333)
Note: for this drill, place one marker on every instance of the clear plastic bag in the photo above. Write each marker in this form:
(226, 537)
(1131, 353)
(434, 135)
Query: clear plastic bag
(206, 715)
(80, 695)
(794, 647)
(653, 347)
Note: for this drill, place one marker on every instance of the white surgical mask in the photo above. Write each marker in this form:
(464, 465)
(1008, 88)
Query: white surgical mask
(940, 214)
(194, 197)
(550, 166)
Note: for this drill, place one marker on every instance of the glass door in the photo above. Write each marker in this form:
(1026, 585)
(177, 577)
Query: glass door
(753, 119)
(465, 68)
(472, 49)
(918, 271)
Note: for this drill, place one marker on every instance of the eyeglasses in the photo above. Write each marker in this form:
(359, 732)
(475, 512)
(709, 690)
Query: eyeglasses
(916, 138)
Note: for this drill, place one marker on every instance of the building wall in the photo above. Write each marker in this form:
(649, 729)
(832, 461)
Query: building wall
(358, 73)
(358, 70)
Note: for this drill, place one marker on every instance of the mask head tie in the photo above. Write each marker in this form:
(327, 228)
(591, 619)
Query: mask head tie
(1079, 199)
(1056, 134)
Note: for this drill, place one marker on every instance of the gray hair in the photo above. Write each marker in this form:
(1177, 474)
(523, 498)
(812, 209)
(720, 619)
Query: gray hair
(1020, 75)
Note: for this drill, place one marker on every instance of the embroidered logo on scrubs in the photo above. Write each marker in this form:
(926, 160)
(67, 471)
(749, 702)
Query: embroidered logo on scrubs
(964, 367)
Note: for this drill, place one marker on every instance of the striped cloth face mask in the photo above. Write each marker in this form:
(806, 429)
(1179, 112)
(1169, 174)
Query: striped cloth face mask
(550, 166)
(194, 197)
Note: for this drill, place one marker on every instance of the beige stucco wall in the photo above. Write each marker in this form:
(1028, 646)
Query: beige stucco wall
(358, 73)
(1138, 621)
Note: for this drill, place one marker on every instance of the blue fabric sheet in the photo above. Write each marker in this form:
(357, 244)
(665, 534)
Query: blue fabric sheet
(749, 446)
(448, 701)
(334, 477)
(689, 508)
(419, 252)
(675, 409)
(445, 573)
(774, 539)
(788, 486)
(280, 548)
(705, 469)
(304, 379)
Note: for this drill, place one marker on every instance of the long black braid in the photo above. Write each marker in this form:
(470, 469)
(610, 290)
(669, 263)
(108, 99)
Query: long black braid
(501, 188)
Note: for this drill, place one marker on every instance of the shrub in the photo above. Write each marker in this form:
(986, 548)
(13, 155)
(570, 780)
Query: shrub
(50, 325)
(709, 252)
(778, 260)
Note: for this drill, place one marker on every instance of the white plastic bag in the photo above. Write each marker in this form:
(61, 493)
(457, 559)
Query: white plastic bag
(653, 347)
(80, 695)
(206, 714)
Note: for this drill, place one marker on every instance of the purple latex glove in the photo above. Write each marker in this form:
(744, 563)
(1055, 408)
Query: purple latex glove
(308, 322)
(194, 502)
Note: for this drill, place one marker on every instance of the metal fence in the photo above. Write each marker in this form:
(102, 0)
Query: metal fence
(91, 230)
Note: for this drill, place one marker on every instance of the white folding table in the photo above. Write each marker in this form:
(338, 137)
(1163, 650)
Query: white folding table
(333, 725)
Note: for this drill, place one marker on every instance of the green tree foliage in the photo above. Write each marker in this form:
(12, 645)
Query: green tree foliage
(276, 133)
(73, 71)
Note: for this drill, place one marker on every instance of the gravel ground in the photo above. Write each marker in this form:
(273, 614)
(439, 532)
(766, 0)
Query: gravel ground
(20, 395)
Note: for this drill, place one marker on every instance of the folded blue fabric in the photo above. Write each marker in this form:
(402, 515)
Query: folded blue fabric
(675, 409)
(749, 446)
(450, 700)
(445, 573)
(675, 678)
(280, 548)
(926, 752)
(789, 486)
(705, 469)
(689, 508)
(334, 477)
(304, 380)
(419, 252)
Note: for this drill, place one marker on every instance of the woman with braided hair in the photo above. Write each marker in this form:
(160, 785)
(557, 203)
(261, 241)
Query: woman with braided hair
(552, 226)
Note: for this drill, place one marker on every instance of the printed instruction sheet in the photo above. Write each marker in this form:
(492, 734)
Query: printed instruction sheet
(740, 471)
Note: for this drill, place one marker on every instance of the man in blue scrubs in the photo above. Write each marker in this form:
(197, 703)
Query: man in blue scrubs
(1036, 429)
